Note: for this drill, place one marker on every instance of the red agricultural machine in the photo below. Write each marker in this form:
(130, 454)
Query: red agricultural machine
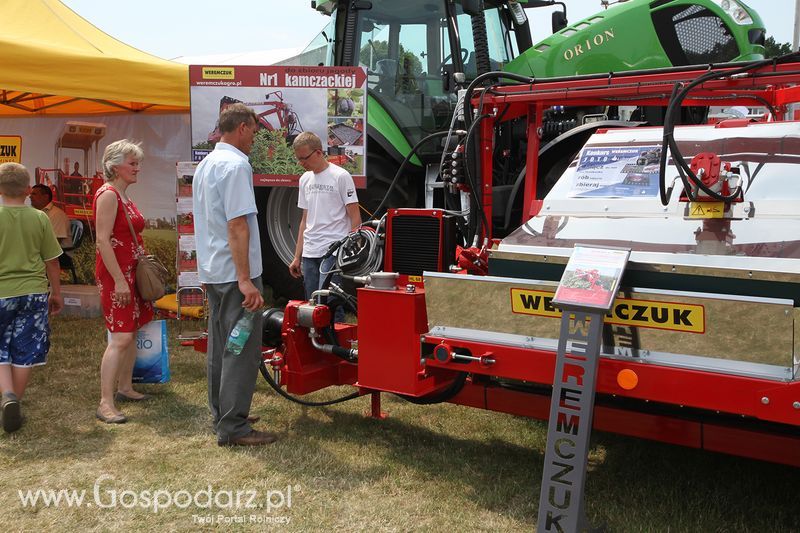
(74, 186)
(700, 347)
(284, 119)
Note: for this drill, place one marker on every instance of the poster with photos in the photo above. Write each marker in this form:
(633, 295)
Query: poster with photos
(187, 248)
(288, 100)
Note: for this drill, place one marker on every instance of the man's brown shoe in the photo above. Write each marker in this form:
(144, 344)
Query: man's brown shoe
(254, 438)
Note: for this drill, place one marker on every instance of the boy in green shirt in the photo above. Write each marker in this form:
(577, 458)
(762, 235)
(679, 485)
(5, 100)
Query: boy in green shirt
(29, 254)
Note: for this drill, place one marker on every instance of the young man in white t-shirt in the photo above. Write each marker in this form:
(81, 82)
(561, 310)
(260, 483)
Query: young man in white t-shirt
(329, 202)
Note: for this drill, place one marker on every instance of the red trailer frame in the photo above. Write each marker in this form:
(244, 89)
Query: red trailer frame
(739, 415)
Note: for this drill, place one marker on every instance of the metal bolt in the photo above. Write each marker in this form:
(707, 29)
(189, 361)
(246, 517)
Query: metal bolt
(796, 405)
(411, 288)
(765, 400)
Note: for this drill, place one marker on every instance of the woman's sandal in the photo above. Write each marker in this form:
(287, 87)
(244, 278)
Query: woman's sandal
(114, 419)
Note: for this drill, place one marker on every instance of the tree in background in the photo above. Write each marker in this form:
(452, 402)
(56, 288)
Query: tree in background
(775, 49)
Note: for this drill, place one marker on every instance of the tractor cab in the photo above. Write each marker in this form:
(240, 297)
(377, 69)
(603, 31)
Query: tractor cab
(407, 48)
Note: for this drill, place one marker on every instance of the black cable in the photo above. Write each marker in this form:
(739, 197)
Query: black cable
(403, 166)
(441, 397)
(279, 390)
(676, 100)
(472, 184)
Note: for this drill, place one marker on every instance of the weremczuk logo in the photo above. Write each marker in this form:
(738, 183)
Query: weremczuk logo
(219, 73)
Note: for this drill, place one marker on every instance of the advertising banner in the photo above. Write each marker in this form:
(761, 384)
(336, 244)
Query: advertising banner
(329, 101)
(65, 154)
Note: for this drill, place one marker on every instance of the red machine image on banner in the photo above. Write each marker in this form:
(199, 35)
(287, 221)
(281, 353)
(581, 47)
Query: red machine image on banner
(74, 185)
(329, 101)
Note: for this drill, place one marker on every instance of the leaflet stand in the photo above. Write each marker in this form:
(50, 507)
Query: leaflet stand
(585, 294)
(194, 297)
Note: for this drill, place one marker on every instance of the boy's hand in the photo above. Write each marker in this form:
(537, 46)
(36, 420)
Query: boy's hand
(55, 304)
(294, 268)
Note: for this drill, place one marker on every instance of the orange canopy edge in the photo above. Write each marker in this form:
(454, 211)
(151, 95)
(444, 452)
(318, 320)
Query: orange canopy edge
(54, 63)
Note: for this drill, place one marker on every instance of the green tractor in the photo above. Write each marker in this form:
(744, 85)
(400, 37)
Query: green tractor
(420, 53)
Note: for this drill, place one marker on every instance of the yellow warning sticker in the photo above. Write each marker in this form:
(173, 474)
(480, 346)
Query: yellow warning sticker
(706, 209)
(689, 318)
(415, 279)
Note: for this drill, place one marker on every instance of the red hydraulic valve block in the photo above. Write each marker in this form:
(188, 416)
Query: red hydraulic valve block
(713, 173)
(471, 260)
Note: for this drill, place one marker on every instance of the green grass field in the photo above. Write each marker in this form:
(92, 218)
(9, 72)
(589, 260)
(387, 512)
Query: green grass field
(425, 468)
(163, 234)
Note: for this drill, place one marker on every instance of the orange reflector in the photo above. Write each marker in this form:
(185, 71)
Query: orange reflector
(627, 379)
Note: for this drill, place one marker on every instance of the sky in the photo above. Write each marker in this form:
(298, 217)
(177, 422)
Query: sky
(174, 28)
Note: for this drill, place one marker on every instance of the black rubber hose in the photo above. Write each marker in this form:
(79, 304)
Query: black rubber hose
(443, 396)
(403, 166)
(279, 390)
(683, 167)
(481, 41)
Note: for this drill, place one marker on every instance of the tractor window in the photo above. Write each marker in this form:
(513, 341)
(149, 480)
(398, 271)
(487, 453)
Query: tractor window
(319, 51)
(693, 35)
(404, 46)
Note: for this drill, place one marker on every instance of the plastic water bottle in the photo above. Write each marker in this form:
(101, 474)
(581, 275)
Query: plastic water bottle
(240, 333)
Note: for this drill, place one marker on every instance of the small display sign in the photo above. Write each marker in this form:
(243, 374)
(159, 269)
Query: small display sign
(617, 172)
(592, 277)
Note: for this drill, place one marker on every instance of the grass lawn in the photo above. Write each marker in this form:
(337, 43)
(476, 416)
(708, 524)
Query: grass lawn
(427, 468)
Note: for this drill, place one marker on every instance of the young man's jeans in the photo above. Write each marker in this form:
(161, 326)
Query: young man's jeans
(313, 280)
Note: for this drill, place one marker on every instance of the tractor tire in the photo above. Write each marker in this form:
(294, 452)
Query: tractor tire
(380, 172)
(276, 270)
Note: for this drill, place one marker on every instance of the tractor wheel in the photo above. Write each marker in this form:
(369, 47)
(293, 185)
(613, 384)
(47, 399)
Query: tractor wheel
(278, 220)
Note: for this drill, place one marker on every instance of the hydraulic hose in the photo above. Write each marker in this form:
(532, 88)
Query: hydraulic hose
(481, 41)
(678, 95)
(279, 390)
(402, 167)
(441, 397)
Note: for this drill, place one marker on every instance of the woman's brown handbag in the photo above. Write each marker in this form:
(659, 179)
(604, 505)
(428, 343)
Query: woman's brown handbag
(151, 276)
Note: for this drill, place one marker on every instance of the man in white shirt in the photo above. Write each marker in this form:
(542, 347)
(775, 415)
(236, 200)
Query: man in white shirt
(229, 265)
(42, 199)
(328, 199)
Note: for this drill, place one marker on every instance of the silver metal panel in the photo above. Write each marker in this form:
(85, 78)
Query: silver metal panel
(745, 330)
(756, 238)
(703, 364)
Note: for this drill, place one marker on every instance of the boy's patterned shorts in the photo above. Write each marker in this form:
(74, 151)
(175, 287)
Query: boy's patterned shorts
(24, 330)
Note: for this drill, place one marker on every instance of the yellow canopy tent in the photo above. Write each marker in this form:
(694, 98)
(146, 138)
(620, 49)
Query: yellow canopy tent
(53, 62)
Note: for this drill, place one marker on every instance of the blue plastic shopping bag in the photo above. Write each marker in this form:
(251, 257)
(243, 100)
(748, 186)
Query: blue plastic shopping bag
(152, 355)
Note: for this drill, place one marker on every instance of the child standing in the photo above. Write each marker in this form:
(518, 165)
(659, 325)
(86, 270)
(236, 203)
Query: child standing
(29, 254)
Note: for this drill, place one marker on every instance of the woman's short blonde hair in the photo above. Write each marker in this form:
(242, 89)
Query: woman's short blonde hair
(116, 153)
(14, 179)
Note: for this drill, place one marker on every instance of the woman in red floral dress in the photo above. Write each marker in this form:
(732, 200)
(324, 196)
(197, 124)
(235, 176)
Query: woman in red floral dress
(124, 310)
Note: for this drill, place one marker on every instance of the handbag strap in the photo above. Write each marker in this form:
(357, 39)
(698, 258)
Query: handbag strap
(128, 218)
